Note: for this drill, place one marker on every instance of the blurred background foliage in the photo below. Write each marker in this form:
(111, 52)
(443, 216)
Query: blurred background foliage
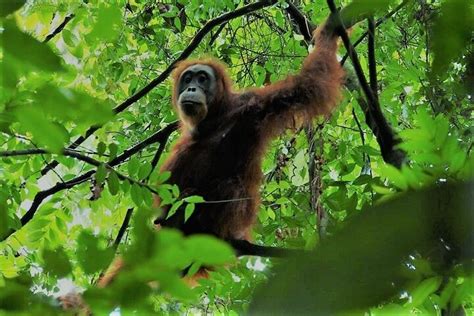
(383, 247)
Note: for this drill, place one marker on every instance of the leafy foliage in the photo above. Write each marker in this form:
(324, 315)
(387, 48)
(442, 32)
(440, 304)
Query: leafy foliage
(98, 68)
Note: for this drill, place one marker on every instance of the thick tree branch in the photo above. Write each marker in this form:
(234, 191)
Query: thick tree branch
(374, 117)
(186, 53)
(371, 55)
(315, 139)
(373, 114)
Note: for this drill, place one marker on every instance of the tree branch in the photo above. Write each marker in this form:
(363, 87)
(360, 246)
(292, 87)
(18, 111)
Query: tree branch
(186, 53)
(373, 114)
(246, 248)
(371, 55)
(159, 136)
(60, 27)
(123, 228)
(305, 27)
(128, 215)
(379, 21)
(374, 117)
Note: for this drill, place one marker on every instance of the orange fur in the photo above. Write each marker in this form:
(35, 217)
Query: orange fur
(222, 160)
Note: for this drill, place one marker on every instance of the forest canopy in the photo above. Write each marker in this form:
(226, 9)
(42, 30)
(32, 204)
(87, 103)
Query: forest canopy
(379, 194)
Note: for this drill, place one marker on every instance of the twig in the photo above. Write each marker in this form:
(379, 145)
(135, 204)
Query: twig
(366, 168)
(379, 21)
(60, 27)
(359, 127)
(186, 53)
(305, 27)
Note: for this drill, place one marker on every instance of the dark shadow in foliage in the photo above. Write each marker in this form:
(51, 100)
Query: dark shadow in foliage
(16, 299)
(362, 265)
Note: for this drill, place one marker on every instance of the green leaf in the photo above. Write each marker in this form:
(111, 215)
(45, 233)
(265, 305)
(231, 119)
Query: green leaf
(165, 195)
(113, 182)
(9, 77)
(147, 197)
(46, 133)
(101, 147)
(125, 186)
(135, 193)
(133, 165)
(464, 293)
(113, 149)
(10, 6)
(442, 130)
(452, 32)
(27, 49)
(144, 170)
(271, 214)
(174, 208)
(100, 174)
(194, 199)
(423, 290)
(362, 179)
(108, 23)
(209, 250)
(61, 225)
(394, 175)
(378, 242)
(3, 220)
(163, 176)
(188, 211)
(68, 37)
(75, 106)
(359, 9)
(56, 262)
(90, 255)
(369, 150)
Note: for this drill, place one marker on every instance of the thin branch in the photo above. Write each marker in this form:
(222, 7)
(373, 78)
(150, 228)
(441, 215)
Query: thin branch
(23, 152)
(374, 117)
(379, 21)
(216, 34)
(158, 137)
(359, 127)
(366, 168)
(60, 27)
(305, 27)
(123, 228)
(186, 53)
(40, 196)
(156, 158)
(128, 215)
